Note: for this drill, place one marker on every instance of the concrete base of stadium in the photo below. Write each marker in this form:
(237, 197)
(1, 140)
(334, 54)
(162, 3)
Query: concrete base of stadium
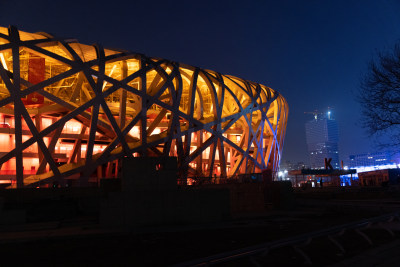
(150, 196)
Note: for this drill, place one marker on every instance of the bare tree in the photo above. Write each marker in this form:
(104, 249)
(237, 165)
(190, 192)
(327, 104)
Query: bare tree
(379, 96)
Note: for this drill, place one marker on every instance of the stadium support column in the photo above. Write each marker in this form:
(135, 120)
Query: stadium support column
(244, 142)
(38, 122)
(143, 110)
(15, 93)
(199, 165)
(51, 147)
(76, 151)
(122, 108)
(122, 97)
(222, 158)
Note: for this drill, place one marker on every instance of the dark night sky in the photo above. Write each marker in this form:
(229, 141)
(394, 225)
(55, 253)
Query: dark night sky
(313, 52)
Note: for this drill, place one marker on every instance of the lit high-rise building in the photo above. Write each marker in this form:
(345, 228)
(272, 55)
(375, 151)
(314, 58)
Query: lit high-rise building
(322, 140)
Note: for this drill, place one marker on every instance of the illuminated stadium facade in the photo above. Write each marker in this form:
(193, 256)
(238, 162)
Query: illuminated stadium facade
(72, 111)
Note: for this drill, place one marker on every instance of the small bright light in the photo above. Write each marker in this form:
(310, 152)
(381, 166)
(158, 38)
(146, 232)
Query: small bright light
(111, 72)
(280, 173)
(285, 171)
(3, 61)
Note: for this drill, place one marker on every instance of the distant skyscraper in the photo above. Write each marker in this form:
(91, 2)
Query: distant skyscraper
(322, 140)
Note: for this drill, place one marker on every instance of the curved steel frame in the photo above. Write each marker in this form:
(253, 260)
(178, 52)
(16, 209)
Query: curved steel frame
(216, 125)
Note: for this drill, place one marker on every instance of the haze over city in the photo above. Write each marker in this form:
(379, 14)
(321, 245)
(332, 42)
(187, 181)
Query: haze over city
(313, 52)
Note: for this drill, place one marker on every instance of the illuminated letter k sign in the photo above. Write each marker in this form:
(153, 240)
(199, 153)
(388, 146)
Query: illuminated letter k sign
(328, 164)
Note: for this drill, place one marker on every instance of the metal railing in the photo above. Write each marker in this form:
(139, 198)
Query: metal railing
(296, 242)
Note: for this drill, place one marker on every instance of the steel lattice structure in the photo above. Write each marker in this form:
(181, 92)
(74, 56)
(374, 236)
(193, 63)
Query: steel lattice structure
(73, 110)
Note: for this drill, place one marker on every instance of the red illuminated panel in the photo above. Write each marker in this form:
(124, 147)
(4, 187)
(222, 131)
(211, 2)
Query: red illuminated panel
(36, 74)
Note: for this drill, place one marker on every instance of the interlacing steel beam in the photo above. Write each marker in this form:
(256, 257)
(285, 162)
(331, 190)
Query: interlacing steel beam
(106, 104)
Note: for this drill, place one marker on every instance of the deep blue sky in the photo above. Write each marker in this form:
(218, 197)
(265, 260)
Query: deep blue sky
(313, 52)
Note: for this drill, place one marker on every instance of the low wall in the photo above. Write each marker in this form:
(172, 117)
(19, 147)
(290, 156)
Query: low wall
(144, 208)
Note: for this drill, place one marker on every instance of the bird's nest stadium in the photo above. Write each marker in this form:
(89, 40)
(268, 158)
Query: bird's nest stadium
(70, 111)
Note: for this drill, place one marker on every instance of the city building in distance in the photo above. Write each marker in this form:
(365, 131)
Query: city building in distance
(70, 111)
(373, 165)
(322, 140)
(371, 159)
